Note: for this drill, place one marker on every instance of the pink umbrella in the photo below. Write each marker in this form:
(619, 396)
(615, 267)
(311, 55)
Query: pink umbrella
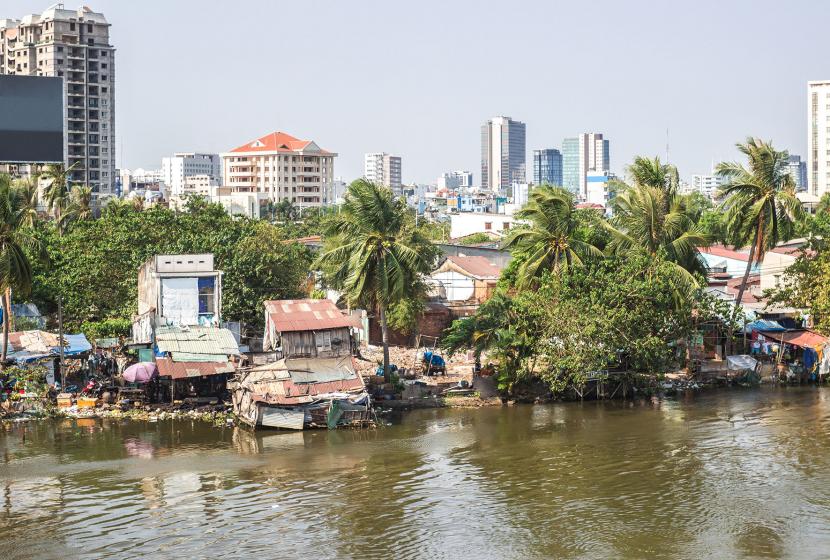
(142, 372)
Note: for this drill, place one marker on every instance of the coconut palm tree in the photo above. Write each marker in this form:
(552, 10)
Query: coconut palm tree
(549, 242)
(759, 202)
(645, 172)
(375, 253)
(80, 204)
(650, 216)
(59, 179)
(16, 240)
(27, 193)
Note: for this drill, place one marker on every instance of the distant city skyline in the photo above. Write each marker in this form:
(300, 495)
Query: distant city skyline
(182, 93)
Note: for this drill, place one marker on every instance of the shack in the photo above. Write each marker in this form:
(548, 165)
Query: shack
(177, 291)
(313, 381)
(195, 361)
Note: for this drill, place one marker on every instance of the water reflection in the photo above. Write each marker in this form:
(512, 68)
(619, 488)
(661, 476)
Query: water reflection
(738, 474)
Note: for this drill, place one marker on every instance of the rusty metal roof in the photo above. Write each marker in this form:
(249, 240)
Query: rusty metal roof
(209, 341)
(181, 370)
(289, 315)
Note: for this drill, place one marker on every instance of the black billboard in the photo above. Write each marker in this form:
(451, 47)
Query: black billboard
(31, 119)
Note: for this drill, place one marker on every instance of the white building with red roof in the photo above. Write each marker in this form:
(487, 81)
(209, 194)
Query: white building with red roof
(283, 167)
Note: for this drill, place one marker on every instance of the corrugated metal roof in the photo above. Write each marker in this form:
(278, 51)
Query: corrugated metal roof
(181, 370)
(289, 315)
(196, 340)
(804, 339)
(300, 381)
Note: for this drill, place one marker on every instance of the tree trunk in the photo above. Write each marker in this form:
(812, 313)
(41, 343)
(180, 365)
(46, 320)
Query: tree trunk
(7, 312)
(384, 331)
(755, 248)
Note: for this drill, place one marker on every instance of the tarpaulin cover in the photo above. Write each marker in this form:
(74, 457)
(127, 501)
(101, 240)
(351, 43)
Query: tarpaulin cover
(764, 325)
(75, 344)
(803, 338)
(741, 362)
(180, 300)
(142, 372)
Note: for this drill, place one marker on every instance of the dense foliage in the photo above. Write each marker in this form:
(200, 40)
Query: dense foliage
(616, 311)
(94, 265)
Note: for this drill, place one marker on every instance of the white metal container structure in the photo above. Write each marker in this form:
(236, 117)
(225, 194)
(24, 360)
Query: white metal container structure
(177, 290)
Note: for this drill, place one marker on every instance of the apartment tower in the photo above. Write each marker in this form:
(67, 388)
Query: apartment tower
(283, 167)
(75, 45)
(503, 157)
(818, 137)
(587, 153)
(383, 169)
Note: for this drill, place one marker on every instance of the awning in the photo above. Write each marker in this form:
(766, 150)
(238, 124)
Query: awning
(181, 370)
(804, 339)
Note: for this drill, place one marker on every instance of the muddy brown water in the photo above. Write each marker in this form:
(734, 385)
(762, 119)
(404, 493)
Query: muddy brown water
(731, 474)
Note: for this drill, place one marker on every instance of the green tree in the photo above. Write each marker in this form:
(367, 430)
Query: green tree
(27, 195)
(80, 204)
(16, 243)
(650, 217)
(805, 284)
(759, 201)
(374, 254)
(59, 185)
(550, 241)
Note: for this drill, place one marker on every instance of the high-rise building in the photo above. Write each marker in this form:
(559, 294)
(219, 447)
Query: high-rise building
(75, 45)
(283, 167)
(547, 166)
(570, 165)
(818, 137)
(383, 169)
(587, 153)
(176, 169)
(707, 185)
(797, 168)
(455, 180)
(503, 157)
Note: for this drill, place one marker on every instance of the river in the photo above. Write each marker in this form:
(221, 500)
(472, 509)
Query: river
(724, 474)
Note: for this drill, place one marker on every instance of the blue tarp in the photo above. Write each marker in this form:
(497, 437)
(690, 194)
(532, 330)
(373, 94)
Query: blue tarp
(764, 325)
(76, 344)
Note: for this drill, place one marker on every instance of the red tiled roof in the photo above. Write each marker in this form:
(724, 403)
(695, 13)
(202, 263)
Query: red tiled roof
(725, 252)
(180, 370)
(589, 206)
(476, 266)
(275, 142)
(307, 315)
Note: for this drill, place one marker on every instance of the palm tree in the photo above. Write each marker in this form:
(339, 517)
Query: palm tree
(650, 216)
(549, 242)
(15, 267)
(645, 172)
(59, 181)
(759, 202)
(27, 193)
(376, 253)
(117, 206)
(80, 204)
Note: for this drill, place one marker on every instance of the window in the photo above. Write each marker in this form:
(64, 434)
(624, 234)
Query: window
(488, 226)
(505, 226)
(72, 26)
(89, 27)
(207, 300)
(322, 340)
(60, 49)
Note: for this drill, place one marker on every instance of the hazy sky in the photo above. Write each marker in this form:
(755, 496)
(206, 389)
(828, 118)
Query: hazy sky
(418, 78)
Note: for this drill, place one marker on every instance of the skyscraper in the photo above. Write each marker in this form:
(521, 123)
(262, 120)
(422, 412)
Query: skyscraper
(818, 137)
(797, 168)
(383, 169)
(73, 44)
(587, 153)
(503, 157)
(570, 164)
(182, 165)
(547, 166)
